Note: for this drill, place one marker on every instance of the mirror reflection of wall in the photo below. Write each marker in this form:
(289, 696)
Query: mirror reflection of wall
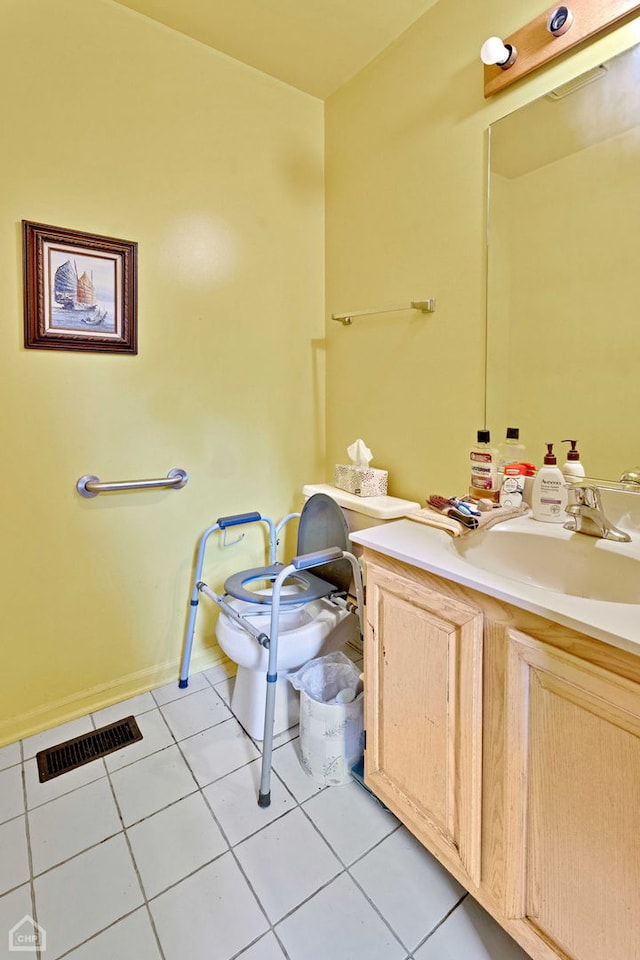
(564, 270)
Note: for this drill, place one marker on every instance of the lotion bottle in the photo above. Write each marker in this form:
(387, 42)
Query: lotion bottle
(549, 495)
(572, 466)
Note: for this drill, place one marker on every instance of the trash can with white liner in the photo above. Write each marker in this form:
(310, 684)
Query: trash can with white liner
(331, 717)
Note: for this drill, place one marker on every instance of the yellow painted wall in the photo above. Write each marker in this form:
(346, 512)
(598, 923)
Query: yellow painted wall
(405, 181)
(115, 125)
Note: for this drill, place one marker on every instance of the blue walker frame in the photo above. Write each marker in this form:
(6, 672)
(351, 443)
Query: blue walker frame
(277, 573)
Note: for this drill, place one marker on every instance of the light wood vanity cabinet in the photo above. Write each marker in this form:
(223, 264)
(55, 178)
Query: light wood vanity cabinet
(510, 746)
(573, 797)
(424, 702)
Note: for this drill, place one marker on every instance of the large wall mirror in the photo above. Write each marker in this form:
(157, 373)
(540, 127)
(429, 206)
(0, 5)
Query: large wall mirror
(563, 331)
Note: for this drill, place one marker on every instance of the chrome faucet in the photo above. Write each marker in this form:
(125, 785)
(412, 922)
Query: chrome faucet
(587, 516)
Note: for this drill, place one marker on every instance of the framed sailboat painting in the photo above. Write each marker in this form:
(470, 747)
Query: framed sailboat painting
(80, 290)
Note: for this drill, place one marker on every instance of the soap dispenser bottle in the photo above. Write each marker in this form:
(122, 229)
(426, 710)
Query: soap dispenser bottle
(572, 466)
(549, 495)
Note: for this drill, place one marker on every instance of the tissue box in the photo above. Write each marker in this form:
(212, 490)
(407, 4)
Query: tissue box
(363, 481)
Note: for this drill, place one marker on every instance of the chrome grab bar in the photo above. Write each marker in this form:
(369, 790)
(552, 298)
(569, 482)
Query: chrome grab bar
(91, 486)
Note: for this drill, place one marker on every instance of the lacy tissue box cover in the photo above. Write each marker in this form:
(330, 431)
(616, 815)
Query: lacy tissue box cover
(363, 481)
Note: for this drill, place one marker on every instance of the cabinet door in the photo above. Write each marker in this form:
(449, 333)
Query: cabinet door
(423, 711)
(573, 802)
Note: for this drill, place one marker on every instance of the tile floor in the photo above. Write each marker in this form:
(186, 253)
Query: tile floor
(160, 852)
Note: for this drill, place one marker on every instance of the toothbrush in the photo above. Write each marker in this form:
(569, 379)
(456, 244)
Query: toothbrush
(483, 503)
(465, 507)
(464, 518)
(439, 503)
(444, 505)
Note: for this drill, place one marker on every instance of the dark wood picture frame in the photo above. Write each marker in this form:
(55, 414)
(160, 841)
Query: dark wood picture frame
(80, 290)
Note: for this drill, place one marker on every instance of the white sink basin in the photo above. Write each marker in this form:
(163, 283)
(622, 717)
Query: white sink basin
(586, 584)
(569, 563)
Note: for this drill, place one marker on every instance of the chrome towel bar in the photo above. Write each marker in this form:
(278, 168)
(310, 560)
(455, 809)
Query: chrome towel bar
(426, 306)
(91, 486)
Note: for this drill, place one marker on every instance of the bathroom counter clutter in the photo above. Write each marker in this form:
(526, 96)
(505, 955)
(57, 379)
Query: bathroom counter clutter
(584, 583)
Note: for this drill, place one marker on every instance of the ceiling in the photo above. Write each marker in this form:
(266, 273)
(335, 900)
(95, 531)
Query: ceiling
(314, 45)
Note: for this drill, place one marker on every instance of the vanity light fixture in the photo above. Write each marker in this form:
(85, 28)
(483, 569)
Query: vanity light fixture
(559, 21)
(495, 51)
(549, 36)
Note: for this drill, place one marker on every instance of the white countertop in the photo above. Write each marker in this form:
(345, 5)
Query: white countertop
(433, 550)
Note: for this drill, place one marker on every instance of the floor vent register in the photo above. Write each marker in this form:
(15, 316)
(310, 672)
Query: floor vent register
(91, 746)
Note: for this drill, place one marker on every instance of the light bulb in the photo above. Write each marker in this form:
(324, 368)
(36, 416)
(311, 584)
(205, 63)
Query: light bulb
(495, 51)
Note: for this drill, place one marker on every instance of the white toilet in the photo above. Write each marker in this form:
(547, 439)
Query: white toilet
(305, 630)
